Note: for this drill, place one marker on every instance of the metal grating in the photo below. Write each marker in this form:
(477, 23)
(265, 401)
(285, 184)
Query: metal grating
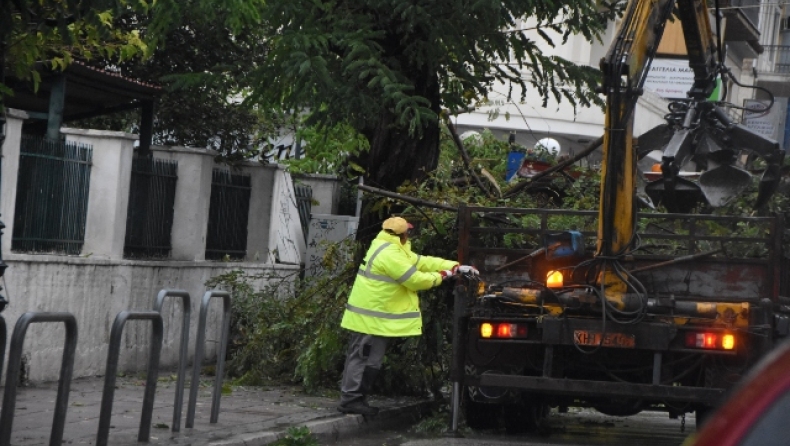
(304, 203)
(229, 210)
(149, 220)
(52, 196)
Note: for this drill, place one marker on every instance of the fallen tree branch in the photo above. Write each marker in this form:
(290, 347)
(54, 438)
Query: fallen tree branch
(521, 185)
(677, 260)
(406, 198)
(465, 157)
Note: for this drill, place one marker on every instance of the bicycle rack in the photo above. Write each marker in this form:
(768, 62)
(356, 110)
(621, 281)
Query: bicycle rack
(199, 350)
(112, 369)
(182, 357)
(15, 361)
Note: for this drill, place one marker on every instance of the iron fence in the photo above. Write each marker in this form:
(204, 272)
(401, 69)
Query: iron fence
(149, 219)
(780, 55)
(229, 210)
(304, 202)
(348, 198)
(52, 196)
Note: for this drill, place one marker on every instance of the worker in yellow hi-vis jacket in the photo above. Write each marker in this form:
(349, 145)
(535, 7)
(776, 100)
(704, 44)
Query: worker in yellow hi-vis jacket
(383, 304)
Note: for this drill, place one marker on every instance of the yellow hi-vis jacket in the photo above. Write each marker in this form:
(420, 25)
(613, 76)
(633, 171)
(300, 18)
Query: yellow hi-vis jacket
(384, 300)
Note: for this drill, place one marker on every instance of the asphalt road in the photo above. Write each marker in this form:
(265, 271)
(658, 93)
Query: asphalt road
(576, 428)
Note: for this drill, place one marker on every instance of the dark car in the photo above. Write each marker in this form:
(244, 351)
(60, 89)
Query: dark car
(757, 412)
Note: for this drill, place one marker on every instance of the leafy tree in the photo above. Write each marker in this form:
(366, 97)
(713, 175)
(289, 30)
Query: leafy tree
(390, 68)
(202, 65)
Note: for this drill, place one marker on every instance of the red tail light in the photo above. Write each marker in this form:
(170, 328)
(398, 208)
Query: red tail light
(710, 340)
(503, 330)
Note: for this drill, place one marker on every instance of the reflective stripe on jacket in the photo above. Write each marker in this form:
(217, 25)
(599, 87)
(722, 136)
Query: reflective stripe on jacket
(384, 298)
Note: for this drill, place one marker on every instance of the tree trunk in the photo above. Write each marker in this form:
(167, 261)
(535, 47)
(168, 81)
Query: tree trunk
(395, 156)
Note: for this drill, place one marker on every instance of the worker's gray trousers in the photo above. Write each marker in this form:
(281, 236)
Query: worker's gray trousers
(363, 361)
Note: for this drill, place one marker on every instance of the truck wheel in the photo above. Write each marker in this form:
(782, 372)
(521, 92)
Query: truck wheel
(480, 416)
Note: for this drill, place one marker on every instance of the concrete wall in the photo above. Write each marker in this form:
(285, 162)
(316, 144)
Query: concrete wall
(95, 291)
(326, 228)
(96, 285)
(326, 192)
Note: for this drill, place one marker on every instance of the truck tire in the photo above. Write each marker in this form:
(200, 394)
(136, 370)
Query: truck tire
(480, 416)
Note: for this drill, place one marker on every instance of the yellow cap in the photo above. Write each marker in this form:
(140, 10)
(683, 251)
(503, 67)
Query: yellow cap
(398, 225)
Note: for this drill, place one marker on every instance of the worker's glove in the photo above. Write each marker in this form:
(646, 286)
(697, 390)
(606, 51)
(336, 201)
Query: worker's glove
(446, 274)
(466, 270)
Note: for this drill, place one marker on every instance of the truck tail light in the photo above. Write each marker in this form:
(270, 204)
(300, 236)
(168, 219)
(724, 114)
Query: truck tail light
(503, 330)
(710, 340)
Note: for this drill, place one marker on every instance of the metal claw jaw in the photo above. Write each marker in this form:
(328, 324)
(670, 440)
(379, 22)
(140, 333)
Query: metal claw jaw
(769, 180)
(714, 144)
(677, 194)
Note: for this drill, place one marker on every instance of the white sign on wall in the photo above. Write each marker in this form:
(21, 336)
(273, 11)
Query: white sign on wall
(672, 79)
(669, 78)
(771, 123)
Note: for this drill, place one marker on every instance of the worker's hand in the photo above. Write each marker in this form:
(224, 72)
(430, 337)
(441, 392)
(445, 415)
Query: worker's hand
(446, 274)
(466, 270)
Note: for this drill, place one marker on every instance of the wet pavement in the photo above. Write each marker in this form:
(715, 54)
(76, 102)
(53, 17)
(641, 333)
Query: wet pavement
(248, 416)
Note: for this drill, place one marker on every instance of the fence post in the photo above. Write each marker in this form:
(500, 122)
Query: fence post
(182, 357)
(15, 361)
(200, 347)
(112, 369)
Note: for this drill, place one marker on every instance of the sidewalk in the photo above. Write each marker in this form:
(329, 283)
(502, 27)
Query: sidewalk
(249, 416)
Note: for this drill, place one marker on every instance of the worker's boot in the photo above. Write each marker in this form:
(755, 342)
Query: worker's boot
(360, 406)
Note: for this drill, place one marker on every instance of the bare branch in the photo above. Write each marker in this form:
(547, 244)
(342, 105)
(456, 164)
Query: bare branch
(465, 157)
(406, 198)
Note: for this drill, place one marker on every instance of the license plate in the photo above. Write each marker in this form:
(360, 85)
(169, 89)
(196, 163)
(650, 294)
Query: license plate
(594, 339)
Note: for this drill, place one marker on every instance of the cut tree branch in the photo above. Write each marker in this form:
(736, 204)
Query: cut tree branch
(406, 198)
(465, 157)
(521, 185)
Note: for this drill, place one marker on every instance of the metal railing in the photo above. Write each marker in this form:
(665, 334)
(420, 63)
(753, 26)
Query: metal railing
(349, 194)
(780, 56)
(229, 210)
(186, 305)
(112, 369)
(52, 196)
(15, 361)
(199, 350)
(149, 219)
(304, 203)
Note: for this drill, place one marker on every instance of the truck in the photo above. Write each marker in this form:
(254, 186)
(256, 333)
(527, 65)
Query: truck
(616, 309)
(705, 307)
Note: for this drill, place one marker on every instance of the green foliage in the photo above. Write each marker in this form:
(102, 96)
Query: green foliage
(58, 31)
(360, 58)
(279, 335)
(327, 150)
(297, 436)
(202, 68)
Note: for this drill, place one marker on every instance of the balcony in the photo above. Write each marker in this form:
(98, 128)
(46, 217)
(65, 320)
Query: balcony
(777, 59)
(773, 69)
(742, 20)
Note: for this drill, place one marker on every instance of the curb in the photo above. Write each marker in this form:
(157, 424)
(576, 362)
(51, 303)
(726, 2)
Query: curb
(338, 428)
